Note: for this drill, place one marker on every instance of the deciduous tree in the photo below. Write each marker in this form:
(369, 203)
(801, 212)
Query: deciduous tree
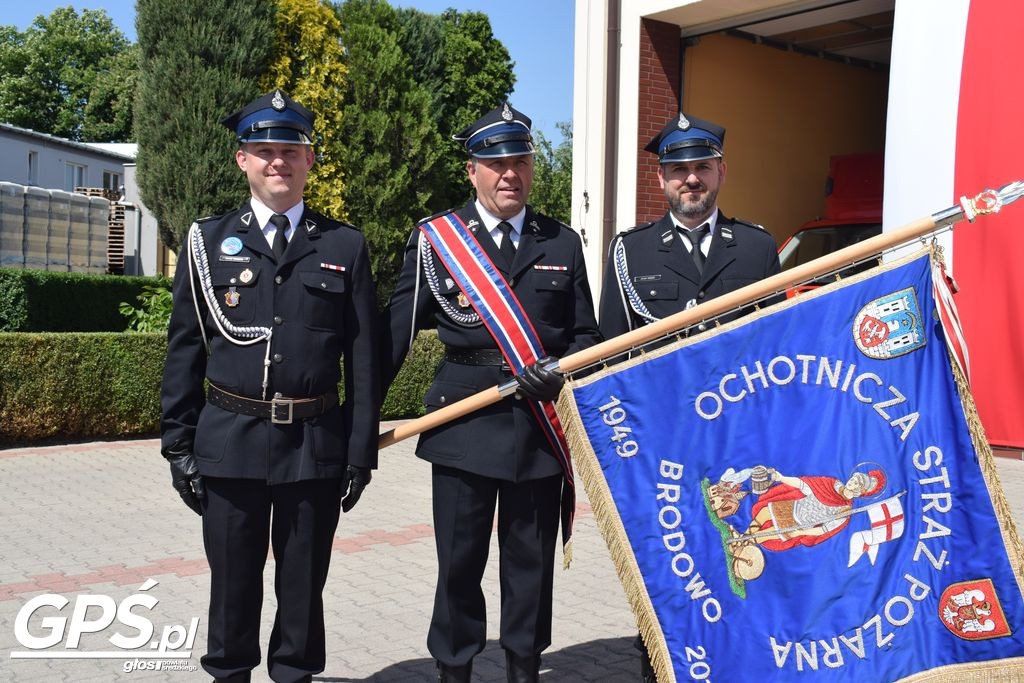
(552, 175)
(51, 73)
(307, 62)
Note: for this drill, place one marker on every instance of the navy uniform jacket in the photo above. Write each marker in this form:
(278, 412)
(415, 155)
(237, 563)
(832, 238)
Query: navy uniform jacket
(317, 316)
(502, 440)
(665, 278)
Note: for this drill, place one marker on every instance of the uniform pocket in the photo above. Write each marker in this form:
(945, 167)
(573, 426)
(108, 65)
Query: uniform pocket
(234, 288)
(657, 291)
(324, 304)
(553, 296)
(442, 393)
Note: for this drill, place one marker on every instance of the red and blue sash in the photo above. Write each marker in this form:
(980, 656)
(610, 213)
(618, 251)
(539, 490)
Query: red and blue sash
(505, 319)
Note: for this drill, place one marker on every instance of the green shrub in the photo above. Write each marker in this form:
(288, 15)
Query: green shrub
(72, 386)
(153, 313)
(79, 385)
(405, 398)
(45, 301)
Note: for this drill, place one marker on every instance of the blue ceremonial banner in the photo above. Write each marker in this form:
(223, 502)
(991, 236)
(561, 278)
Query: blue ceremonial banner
(806, 494)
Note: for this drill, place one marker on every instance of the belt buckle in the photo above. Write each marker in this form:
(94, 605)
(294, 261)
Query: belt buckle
(279, 402)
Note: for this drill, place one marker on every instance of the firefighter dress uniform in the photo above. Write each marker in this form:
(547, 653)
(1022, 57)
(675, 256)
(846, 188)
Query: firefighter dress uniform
(268, 333)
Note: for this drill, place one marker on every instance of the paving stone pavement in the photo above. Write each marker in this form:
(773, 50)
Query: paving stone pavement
(100, 519)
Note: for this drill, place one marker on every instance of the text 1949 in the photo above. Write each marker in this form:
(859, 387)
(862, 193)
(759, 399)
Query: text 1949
(614, 415)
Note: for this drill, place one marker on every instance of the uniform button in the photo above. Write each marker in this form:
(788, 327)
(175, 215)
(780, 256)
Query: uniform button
(444, 399)
(511, 281)
(278, 279)
(700, 294)
(702, 327)
(233, 280)
(278, 358)
(323, 285)
(278, 320)
(653, 292)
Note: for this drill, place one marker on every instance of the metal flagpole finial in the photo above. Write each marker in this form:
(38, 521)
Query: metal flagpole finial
(991, 201)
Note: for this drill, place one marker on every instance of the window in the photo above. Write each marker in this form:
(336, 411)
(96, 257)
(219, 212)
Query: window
(74, 176)
(111, 181)
(33, 168)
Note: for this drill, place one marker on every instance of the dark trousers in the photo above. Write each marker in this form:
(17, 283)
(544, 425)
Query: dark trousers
(528, 514)
(298, 520)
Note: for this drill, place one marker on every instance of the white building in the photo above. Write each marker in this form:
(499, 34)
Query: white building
(41, 160)
(51, 163)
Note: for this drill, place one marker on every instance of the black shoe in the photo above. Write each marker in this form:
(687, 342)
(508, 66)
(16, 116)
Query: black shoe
(454, 674)
(522, 669)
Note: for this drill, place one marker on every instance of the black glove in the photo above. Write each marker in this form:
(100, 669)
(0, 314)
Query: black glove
(539, 384)
(353, 483)
(185, 477)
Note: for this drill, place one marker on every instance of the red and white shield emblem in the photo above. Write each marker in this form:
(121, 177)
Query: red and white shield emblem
(971, 610)
(872, 331)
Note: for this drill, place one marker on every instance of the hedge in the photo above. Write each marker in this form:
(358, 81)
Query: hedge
(48, 301)
(75, 386)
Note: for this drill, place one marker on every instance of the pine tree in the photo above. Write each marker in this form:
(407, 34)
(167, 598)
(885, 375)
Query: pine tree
(307, 63)
(390, 139)
(200, 60)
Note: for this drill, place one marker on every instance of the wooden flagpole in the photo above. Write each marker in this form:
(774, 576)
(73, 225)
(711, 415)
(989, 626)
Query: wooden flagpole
(989, 201)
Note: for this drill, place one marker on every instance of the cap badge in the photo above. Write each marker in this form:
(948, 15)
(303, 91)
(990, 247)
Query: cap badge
(245, 276)
(684, 123)
(278, 102)
(506, 113)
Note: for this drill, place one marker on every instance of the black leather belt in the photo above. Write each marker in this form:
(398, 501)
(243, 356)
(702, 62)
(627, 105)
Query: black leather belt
(279, 410)
(475, 357)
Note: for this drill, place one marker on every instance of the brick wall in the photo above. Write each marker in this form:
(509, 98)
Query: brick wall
(659, 100)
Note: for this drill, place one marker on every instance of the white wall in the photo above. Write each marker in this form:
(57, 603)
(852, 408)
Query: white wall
(141, 238)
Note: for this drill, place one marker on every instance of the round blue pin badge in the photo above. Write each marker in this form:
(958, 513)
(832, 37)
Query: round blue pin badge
(231, 246)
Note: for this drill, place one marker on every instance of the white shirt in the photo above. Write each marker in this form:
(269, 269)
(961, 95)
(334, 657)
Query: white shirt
(262, 212)
(705, 242)
(491, 221)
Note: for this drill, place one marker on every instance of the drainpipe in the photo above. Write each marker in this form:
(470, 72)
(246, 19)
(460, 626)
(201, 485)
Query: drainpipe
(611, 125)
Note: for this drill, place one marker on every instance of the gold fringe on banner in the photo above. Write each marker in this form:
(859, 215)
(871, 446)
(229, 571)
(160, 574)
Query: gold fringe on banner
(614, 533)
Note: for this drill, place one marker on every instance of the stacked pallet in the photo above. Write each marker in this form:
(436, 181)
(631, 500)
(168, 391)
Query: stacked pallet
(115, 239)
(115, 227)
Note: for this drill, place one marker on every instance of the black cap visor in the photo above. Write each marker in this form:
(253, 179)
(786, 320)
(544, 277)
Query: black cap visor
(259, 132)
(505, 145)
(691, 150)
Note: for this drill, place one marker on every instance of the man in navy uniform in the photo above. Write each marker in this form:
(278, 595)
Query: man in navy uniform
(267, 301)
(500, 455)
(692, 254)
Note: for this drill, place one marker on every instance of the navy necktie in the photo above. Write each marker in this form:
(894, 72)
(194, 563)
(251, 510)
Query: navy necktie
(695, 237)
(507, 249)
(280, 221)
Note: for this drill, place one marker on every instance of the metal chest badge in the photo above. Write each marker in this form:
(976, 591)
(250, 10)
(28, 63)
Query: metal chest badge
(231, 246)
(231, 297)
(462, 300)
(245, 277)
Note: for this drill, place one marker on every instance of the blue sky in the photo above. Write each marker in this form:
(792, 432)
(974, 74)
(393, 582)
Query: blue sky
(537, 33)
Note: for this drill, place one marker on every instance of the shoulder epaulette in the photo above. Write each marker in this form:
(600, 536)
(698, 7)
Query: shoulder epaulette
(636, 228)
(749, 224)
(433, 216)
(208, 218)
